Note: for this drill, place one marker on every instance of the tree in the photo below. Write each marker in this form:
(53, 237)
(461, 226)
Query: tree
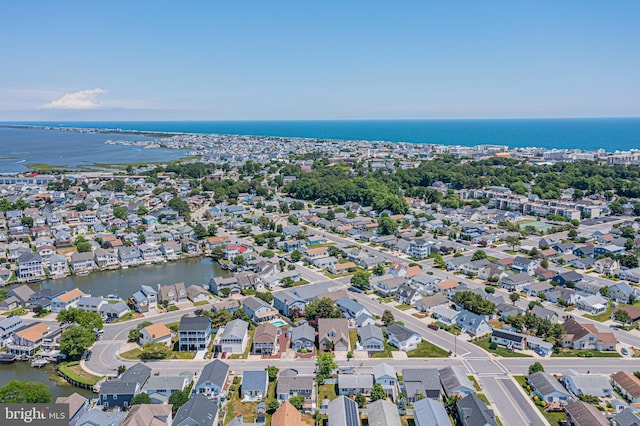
(273, 405)
(120, 212)
(16, 392)
(572, 233)
(239, 260)
(622, 316)
(361, 400)
(478, 255)
(514, 297)
(473, 302)
(141, 398)
(267, 253)
(513, 241)
(604, 291)
(544, 263)
(272, 372)
(267, 296)
(75, 340)
(438, 261)
(121, 369)
(295, 256)
(200, 230)
(378, 392)
(297, 401)
(155, 350)
(322, 308)
(325, 365)
(378, 270)
(387, 317)
(212, 229)
(83, 247)
(451, 404)
(177, 400)
(535, 367)
(387, 226)
(90, 320)
(361, 280)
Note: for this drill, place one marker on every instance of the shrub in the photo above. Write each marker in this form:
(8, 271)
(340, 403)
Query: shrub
(493, 346)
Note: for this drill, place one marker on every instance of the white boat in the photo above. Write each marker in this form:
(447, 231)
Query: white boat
(39, 362)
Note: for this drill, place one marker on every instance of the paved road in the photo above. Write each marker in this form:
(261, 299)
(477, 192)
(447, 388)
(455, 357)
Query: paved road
(514, 408)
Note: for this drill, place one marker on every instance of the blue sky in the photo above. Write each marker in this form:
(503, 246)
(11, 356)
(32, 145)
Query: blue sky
(262, 60)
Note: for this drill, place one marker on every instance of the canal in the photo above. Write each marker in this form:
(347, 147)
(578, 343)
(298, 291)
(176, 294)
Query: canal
(123, 282)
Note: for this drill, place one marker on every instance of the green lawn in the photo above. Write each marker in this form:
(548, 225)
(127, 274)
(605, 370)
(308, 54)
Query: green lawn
(387, 351)
(133, 354)
(482, 397)
(476, 385)
(327, 391)
(386, 299)
(353, 337)
(568, 353)
(17, 311)
(428, 350)
(553, 418)
(453, 329)
(403, 307)
(500, 351)
(126, 317)
(74, 372)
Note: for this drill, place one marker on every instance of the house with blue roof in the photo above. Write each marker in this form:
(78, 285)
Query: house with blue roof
(254, 385)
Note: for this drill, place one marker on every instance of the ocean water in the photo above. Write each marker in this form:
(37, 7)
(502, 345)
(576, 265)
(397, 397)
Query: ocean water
(610, 134)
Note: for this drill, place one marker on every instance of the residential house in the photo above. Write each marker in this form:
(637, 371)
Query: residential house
(536, 288)
(197, 294)
(22, 293)
(217, 285)
(233, 337)
(156, 333)
(303, 337)
(120, 391)
(580, 413)
(594, 305)
(586, 336)
(389, 286)
(172, 293)
(58, 265)
(620, 292)
(545, 314)
(105, 258)
(473, 324)
(385, 375)
(420, 248)
(421, 382)
(128, 256)
(42, 299)
(383, 413)
(265, 339)
(569, 295)
(352, 384)
(455, 382)
(294, 385)
(510, 339)
(325, 262)
(26, 340)
(473, 412)
(334, 333)
(8, 326)
(97, 417)
(370, 338)
(429, 303)
(627, 417)
(197, 411)
(145, 299)
(78, 406)
(66, 300)
(148, 415)
(287, 415)
(82, 263)
(627, 385)
(254, 385)
(111, 311)
(29, 267)
(583, 263)
(429, 412)
(343, 411)
(194, 333)
(350, 308)
(548, 388)
(408, 295)
(515, 282)
(212, 379)
(160, 387)
(524, 264)
(445, 315)
(587, 384)
(565, 277)
(258, 310)
(403, 338)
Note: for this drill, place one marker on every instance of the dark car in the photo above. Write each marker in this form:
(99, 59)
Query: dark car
(215, 354)
(355, 289)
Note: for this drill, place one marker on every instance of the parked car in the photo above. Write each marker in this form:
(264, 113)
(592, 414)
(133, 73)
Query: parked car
(224, 355)
(624, 351)
(433, 326)
(215, 354)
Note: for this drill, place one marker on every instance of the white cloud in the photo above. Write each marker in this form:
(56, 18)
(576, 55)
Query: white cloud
(84, 99)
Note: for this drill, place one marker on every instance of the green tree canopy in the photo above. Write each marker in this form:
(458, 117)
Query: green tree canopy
(75, 340)
(325, 365)
(141, 398)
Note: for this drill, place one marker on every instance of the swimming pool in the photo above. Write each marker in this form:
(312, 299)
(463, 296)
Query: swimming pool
(278, 323)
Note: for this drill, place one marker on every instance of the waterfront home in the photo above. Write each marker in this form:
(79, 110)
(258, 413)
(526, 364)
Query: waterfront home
(385, 375)
(160, 388)
(472, 411)
(149, 253)
(22, 293)
(303, 337)
(455, 382)
(429, 412)
(197, 294)
(548, 388)
(172, 293)
(128, 256)
(421, 381)
(627, 384)
(63, 239)
(352, 384)
(212, 379)
(402, 338)
(370, 338)
(8, 326)
(156, 333)
(254, 385)
(343, 411)
(78, 406)
(233, 337)
(171, 249)
(217, 285)
(58, 265)
(105, 258)
(197, 411)
(120, 391)
(473, 324)
(112, 311)
(586, 336)
(265, 339)
(42, 298)
(82, 262)
(294, 385)
(66, 300)
(30, 267)
(194, 333)
(258, 310)
(145, 299)
(333, 333)
(26, 340)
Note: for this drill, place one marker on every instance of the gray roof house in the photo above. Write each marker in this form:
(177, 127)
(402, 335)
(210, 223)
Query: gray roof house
(351, 384)
(233, 338)
(254, 385)
(548, 388)
(473, 412)
(119, 392)
(198, 411)
(303, 337)
(425, 381)
(293, 385)
(212, 379)
(370, 338)
(97, 417)
(455, 382)
(429, 412)
(402, 338)
(474, 324)
(587, 384)
(343, 412)
(383, 413)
